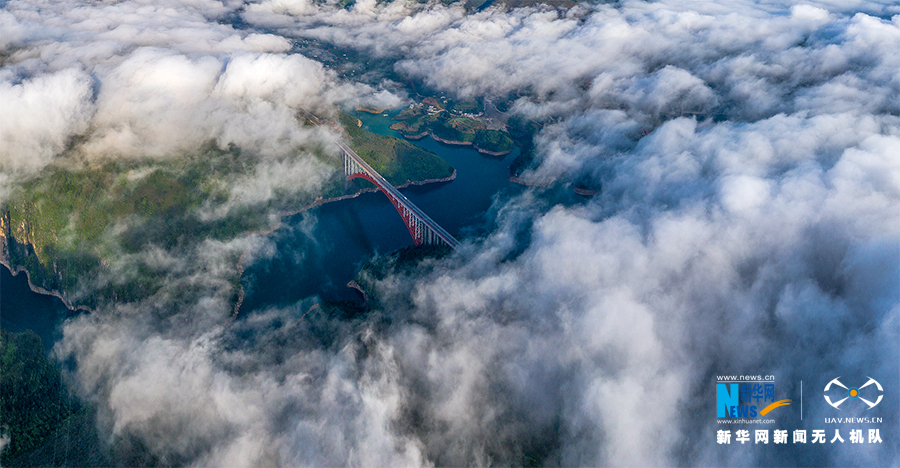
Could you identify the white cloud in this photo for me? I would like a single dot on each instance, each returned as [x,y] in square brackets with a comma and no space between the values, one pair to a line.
[38,116]
[133,80]
[765,242]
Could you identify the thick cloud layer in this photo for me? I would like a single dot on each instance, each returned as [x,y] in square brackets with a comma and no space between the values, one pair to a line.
[649,57]
[759,238]
[148,80]
[607,331]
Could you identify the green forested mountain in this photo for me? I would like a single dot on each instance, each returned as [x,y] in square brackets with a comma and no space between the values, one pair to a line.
[33,399]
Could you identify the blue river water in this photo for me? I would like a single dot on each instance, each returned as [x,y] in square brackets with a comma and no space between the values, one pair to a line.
[23,309]
[319,251]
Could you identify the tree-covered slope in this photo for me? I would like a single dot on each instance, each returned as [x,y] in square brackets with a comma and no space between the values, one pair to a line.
[33,399]
[396,160]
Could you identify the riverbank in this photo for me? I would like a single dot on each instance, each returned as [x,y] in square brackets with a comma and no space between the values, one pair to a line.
[497,154]
[415,137]
[319,201]
[4,260]
[463,143]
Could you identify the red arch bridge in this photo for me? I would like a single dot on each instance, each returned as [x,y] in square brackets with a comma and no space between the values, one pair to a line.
[422,228]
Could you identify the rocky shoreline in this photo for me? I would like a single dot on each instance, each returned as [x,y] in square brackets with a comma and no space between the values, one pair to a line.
[321,201]
[467,143]
[414,137]
[4,260]
[426,133]
[491,153]
[450,142]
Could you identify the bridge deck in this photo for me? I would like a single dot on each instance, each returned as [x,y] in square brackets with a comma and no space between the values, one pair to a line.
[387,187]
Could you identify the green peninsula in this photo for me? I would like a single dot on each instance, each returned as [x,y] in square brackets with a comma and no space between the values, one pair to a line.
[398,161]
[452,123]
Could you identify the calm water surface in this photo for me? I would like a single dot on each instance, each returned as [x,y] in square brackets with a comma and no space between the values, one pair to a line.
[23,309]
